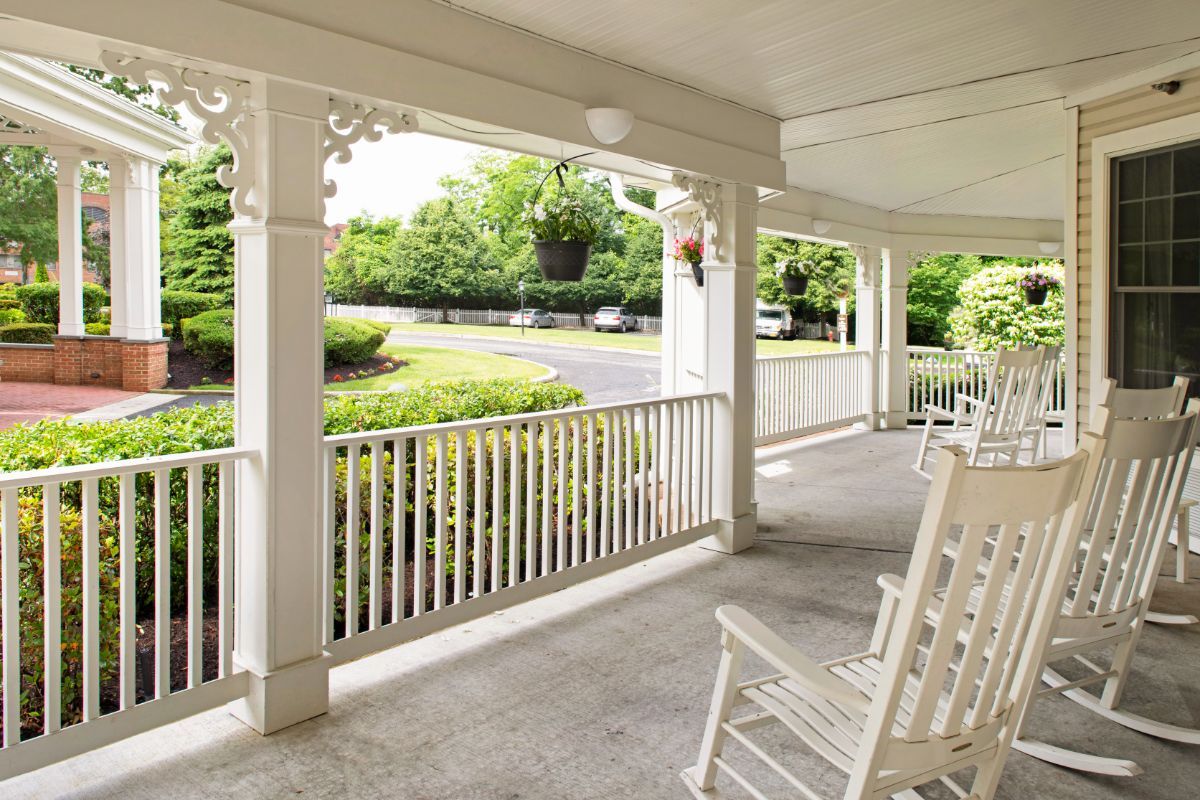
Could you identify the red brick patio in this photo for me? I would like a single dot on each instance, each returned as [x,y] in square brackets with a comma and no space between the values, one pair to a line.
[29,402]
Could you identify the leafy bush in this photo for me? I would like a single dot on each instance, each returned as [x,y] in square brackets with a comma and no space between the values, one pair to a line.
[28,333]
[97,329]
[993,312]
[40,301]
[179,305]
[209,337]
[9,300]
[384,327]
[9,316]
[349,341]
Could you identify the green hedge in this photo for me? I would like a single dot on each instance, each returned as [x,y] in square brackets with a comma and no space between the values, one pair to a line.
[28,333]
[10,316]
[384,327]
[178,306]
[9,302]
[40,302]
[209,336]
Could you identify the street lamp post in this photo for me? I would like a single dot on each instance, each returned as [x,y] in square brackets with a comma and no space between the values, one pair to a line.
[521,291]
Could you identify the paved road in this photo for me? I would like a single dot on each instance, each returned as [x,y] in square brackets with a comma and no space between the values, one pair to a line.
[604,376]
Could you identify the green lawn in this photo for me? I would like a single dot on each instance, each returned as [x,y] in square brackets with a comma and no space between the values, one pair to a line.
[629,341]
[440,363]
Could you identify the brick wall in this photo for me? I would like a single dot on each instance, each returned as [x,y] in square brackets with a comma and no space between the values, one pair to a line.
[27,363]
[144,365]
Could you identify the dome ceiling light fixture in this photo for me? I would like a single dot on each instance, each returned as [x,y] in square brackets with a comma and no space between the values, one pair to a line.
[1049,248]
[609,125]
[821,226]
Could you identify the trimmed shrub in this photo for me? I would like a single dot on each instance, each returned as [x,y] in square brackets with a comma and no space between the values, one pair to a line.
[7,302]
[349,341]
[28,333]
[209,337]
[10,316]
[385,327]
[97,329]
[179,305]
[40,302]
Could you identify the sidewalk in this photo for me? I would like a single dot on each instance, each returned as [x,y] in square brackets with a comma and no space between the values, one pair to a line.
[30,402]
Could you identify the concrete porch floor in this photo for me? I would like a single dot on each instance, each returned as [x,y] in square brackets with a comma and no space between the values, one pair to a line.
[601,690]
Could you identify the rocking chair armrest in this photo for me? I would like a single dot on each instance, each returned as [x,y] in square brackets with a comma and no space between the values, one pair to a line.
[936,412]
[962,399]
[891,584]
[788,660]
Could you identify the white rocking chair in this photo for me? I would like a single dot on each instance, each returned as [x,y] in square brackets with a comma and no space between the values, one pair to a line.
[1139,478]
[996,425]
[1035,424]
[919,705]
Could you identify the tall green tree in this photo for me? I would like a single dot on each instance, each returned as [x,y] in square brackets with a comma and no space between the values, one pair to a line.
[834,277]
[357,271]
[200,256]
[933,283]
[28,204]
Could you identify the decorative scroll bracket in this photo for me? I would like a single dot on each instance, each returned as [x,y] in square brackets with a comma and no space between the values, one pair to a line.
[220,102]
[867,276]
[708,195]
[348,123]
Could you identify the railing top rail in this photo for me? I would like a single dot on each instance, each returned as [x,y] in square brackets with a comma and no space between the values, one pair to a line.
[836,353]
[107,469]
[512,419]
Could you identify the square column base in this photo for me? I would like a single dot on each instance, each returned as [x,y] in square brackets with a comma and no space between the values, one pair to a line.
[732,536]
[871,422]
[897,420]
[285,697]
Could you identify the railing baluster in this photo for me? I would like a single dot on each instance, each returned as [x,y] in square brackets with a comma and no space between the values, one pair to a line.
[605,483]
[439,520]
[497,508]
[329,533]
[531,510]
[10,552]
[52,592]
[399,526]
[127,568]
[514,505]
[618,478]
[643,460]
[461,451]
[225,569]
[162,582]
[627,489]
[195,571]
[590,519]
[91,600]
[353,504]
[420,521]
[375,586]
[666,444]
[576,489]
[479,565]
[560,489]
[685,445]
[547,543]
[655,421]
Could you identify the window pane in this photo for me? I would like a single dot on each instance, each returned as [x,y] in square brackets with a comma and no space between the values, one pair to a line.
[1158,265]
[1185,264]
[1187,170]
[1129,178]
[1158,220]
[1159,339]
[1158,175]
[1129,265]
[1129,223]
[1186,221]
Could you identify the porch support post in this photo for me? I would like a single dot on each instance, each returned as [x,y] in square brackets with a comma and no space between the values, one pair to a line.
[730,274]
[895,336]
[70,245]
[134,249]
[867,328]
[278,368]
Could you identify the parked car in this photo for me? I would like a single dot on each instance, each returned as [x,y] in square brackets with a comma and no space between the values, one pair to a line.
[614,318]
[534,318]
[775,322]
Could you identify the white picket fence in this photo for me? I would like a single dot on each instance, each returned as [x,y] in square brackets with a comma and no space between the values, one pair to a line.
[71,523]
[937,376]
[511,508]
[464,316]
[799,395]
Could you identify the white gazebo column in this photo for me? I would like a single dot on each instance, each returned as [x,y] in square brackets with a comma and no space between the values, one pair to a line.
[867,326]
[895,337]
[730,275]
[278,371]
[134,249]
[70,245]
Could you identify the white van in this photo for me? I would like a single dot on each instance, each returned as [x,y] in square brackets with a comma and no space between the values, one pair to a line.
[775,322]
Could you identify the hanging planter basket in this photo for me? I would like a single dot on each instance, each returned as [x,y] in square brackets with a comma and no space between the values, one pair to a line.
[1035,296]
[795,285]
[698,273]
[562,261]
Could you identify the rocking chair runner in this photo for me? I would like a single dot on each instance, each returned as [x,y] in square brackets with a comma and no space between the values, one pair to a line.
[996,425]
[919,706]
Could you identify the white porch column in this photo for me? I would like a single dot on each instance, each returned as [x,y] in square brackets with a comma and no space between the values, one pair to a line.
[278,370]
[70,245]
[867,326]
[895,337]
[134,249]
[730,274]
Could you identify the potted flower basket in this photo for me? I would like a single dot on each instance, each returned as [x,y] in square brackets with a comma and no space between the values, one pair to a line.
[794,272]
[562,233]
[692,252]
[1037,285]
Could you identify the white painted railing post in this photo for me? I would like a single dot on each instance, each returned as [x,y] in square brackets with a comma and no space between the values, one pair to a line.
[867,328]
[895,336]
[278,369]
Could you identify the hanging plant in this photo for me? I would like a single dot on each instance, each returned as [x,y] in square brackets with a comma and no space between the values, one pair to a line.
[794,272]
[1036,285]
[691,251]
[563,233]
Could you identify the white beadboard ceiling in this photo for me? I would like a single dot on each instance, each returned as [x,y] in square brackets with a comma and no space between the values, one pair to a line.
[921,106]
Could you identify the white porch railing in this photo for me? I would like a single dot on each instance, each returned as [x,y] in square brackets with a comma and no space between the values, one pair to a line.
[75,542]
[937,376]
[426,527]
[799,395]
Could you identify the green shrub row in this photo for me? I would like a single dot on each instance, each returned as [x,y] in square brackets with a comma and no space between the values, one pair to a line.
[179,305]
[10,316]
[349,341]
[7,302]
[40,302]
[209,336]
[28,333]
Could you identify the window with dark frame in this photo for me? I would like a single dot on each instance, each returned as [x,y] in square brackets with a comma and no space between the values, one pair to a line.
[1154,262]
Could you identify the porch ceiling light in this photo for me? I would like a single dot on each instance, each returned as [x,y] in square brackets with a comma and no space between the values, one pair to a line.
[1049,248]
[609,125]
[821,226]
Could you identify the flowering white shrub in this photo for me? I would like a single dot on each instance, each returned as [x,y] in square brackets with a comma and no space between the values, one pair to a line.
[993,311]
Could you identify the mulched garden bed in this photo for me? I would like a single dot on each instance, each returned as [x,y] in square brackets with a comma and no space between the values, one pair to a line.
[186,371]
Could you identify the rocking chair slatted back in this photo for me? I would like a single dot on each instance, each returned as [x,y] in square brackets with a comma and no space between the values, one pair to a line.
[981,658]
[1144,403]
[1047,385]
[1012,392]
[1144,467]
